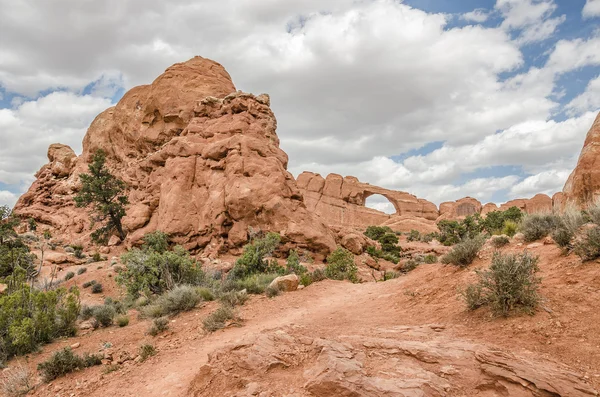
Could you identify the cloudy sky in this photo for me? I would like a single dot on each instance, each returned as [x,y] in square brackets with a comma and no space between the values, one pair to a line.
[441,98]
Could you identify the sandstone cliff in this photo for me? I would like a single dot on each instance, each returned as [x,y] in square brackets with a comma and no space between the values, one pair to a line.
[202,162]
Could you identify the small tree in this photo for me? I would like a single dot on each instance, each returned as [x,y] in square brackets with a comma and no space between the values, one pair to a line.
[106,193]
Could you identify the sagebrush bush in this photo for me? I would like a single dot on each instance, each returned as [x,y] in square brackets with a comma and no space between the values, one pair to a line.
[413,235]
[234,298]
[272,291]
[217,320]
[410,265]
[562,237]
[159,325]
[253,284]
[587,246]
[147,351]
[69,276]
[464,253]
[500,241]
[153,269]
[341,266]
[81,270]
[88,284]
[293,264]
[206,294]
[122,321]
[509,284]
[430,258]
[537,226]
[97,288]
[180,299]
[65,361]
[103,315]
[390,275]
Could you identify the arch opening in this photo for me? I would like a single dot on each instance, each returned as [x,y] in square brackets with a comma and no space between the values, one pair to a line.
[380,203]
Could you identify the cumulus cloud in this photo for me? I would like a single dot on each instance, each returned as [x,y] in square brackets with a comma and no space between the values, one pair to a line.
[7,198]
[532,18]
[29,129]
[478,15]
[591,9]
[588,100]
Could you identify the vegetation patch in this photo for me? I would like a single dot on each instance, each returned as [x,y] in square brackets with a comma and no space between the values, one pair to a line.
[65,361]
[180,299]
[341,266]
[464,253]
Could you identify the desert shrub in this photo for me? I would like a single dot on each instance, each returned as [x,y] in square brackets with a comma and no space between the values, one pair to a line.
[206,294]
[341,266]
[218,319]
[377,232]
[272,292]
[233,298]
[253,284]
[86,312]
[429,237]
[153,269]
[253,260]
[69,276]
[96,257]
[29,318]
[147,351]
[122,321]
[430,258]
[65,361]
[410,265]
[81,270]
[588,246]
[510,228]
[97,288]
[473,296]
[88,284]
[17,381]
[500,241]
[103,315]
[453,232]
[180,299]
[293,264]
[318,275]
[306,279]
[537,226]
[78,251]
[159,325]
[502,221]
[413,235]
[562,237]
[390,275]
[464,253]
[509,284]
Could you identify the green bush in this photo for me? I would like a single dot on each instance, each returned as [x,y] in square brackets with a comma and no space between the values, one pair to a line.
[414,235]
[390,250]
[65,361]
[159,325]
[97,288]
[430,258]
[253,260]
[293,264]
[78,251]
[180,299]
[30,318]
[122,321]
[147,351]
[272,292]
[253,284]
[377,232]
[206,294]
[453,232]
[504,222]
[464,253]
[218,318]
[500,241]
[153,269]
[81,270]
[390,275]
[537,226]
[562,237]
[510,228]
[69,276]
[509,284]
[233,298]
[588,245]
[341,266]
[96,257]
[103,315]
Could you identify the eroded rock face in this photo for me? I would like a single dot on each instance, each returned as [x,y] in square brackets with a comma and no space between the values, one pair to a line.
[202,163]
[408,361]
[583,185]
[460,208]
[340,201]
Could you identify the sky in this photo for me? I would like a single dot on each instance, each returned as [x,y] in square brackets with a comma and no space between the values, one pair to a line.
[440,98]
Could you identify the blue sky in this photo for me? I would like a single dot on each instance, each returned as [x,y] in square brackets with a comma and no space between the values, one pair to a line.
[443,99]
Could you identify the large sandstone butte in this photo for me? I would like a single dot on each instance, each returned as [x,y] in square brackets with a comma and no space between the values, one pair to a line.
[583,185]
[202,163]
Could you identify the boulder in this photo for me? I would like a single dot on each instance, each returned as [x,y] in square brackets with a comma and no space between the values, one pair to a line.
[354,243]
[286,283]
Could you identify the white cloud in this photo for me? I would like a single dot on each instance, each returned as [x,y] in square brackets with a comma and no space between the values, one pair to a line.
[547,182]
[530,17]
[589,100]
[591,9]
[28,130]
[8,198]
[570,55]
[478,15]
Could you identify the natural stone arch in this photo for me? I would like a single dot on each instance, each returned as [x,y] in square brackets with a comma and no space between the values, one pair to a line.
[368,194]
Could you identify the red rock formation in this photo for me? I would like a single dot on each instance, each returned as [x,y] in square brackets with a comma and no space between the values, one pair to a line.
[202,163]
[489,207]
[459,208]
[538,203]
[583,185]
[341,201]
